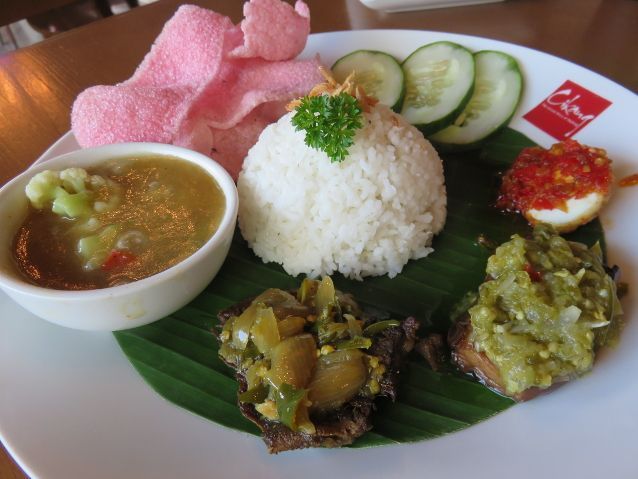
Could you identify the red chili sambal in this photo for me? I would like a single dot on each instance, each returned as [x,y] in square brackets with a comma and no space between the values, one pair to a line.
[545,179]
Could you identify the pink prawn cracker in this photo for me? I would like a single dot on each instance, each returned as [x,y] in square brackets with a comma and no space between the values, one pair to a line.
[273,30]
[206,84]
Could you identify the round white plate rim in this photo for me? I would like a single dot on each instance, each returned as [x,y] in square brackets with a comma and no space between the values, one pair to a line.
[445,458]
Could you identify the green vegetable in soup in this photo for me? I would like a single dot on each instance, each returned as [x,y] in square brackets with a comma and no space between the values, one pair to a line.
[96,248]
[547,305]
[72,192]
[41,188]
[71,205]
[65,192]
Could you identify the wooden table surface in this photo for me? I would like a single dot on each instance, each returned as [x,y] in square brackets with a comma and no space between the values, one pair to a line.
[38,83]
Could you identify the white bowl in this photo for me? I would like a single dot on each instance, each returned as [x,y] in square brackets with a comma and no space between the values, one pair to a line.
[129,305]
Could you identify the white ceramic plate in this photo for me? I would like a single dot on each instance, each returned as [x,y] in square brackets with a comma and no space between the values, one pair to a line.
[71,406]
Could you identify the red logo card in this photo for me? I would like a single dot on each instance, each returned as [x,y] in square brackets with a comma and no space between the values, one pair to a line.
[567,110]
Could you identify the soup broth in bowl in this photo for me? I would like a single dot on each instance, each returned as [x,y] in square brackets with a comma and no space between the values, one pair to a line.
[117,236]
[116,223]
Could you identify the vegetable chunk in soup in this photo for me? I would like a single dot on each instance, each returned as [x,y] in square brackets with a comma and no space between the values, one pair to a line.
[122,221]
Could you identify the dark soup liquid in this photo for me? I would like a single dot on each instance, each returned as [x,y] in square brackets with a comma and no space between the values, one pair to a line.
[122,221]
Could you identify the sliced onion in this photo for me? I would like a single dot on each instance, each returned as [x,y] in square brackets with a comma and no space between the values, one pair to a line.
[242,325]
[354,326]
[265,332]
[326,296]
[282,302]
[290,326]
[293,361]
[307,291]
[338,378]
[570,314]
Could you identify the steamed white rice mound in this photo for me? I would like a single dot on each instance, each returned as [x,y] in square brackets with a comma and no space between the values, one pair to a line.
[365,216]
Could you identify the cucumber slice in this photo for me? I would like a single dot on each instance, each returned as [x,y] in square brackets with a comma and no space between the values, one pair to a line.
[439,80]
[497,92]
[378,73]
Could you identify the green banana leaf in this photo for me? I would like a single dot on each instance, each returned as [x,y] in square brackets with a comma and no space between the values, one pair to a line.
[177,356]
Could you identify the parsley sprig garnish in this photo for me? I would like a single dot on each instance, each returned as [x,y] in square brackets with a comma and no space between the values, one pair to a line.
[330,123]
